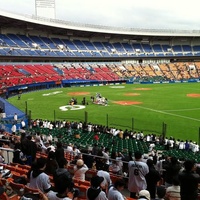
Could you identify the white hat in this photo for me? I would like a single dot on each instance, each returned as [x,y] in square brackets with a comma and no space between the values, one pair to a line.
[144,193]
[79,162]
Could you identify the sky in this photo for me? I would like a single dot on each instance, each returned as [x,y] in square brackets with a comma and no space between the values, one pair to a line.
[150,14]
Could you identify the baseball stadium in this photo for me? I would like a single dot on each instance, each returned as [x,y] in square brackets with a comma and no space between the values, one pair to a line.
[122,89]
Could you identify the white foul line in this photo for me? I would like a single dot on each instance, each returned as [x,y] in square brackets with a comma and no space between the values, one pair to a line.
[183,109]
[159,111]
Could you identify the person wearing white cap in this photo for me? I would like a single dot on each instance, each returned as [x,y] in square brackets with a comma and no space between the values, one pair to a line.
[144,195]
[79,170]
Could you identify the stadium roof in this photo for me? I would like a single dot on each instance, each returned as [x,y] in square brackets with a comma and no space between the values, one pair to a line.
[66,28]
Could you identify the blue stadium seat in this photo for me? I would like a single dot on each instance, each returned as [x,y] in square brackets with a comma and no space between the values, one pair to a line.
[79,45]
[32,52]
[108,46]
[17,40]
[196,48]
[137,47]
[99,46]
[119,47]
[26,40]
[48,42]
[70,45]
[157,48]
[128,47]
[177,48]
[39,42]
[187,48]
[147,48]
[89,45]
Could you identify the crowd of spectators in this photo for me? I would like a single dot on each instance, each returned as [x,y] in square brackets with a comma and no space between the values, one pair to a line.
[146,176]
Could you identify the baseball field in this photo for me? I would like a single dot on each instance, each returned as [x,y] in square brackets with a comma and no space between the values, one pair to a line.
[138,107]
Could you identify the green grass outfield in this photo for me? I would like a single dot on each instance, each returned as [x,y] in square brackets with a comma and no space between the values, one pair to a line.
[168,103]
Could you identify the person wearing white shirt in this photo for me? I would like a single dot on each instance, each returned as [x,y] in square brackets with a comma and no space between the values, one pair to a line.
[114,192]
[107,180]
[15,117]
[23,124]
[137,172]
[70,148]
[79,170]
[106,155]
[14,128]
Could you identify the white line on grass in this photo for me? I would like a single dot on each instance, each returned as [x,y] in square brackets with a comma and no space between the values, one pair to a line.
[187,109]
[166,113]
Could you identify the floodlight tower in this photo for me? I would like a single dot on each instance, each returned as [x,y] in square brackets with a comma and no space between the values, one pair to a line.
[45,8]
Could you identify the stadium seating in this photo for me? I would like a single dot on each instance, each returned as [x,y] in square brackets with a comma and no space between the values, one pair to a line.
[22,45]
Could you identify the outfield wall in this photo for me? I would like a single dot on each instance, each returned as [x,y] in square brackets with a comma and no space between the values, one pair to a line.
[154,82]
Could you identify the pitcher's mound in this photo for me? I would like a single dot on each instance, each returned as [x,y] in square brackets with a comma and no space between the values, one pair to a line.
[127,103]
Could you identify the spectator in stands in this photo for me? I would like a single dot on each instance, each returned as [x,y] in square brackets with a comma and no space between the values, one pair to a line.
[96,138]
[18,156]
[50,146]
[14,128]
[24,143]
[39,143]
[95,192]
[69,148]
[23,124]
[33,196]
[76,151]
[137,172]
[88,158]
[95,149]
[143,195]
[187,145]
[115,167]
[64,188]
[114,192]
[59,151]
[189,181]
[173,192]
[62,169]
[152,178]
[181,145]
[161,192]
[51,164]
[107,182]
[101,162]
[126,159]
[79,170]
[74,161]
[38,179]
[31,151]
[106,155]
[15,117]
[171,170]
